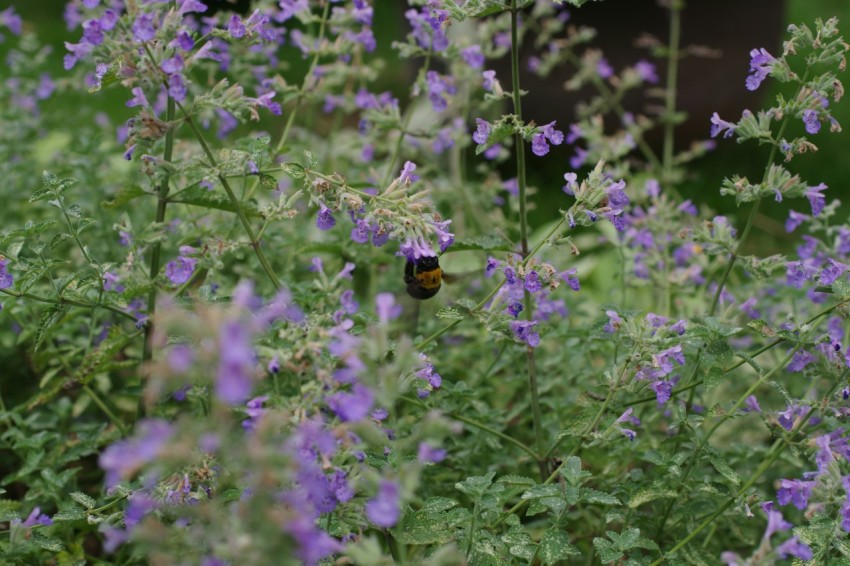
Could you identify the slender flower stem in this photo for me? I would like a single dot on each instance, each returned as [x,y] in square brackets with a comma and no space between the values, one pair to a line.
[301,91]
[240,212]
[773,454]
[65,301]
[670,95]
[536,415]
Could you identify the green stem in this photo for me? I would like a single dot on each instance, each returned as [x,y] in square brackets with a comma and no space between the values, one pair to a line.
[670,95]
[240,212]
[303,89]
[64,301]
[531,366]
[156,250]
[106,410]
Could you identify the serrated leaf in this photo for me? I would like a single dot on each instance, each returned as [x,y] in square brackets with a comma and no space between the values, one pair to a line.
[598,497]
[714,377]
[722,466]
[84,224]
[49,318]
[69,513]
[607,552]
[841,287]
[200,196]
[48,543]
[268,182]
[580,423]
[512,480]
[475,486]
[83,500]
[571,471]
[292,170]
[437,504]
[125,195]
[451,313]
[421,527]
[58,239]
[651,493]
[718,353]
[555,546]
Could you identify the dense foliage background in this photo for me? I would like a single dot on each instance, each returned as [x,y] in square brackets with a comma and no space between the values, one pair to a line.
[220,237]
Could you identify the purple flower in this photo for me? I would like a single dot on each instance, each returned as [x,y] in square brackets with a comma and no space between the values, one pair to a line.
[816,199]
[181,269]
[314,544]
[832,272]
[386,308]
[384,510]
[794,220]
[482,131]
[760,64]
[325,220]
[617,197]
[36,517]
[532,282]
[604,69]
[416,248]
[183,40]
[6,279]
[628,417]
[444,237]
[360,232]
[796,492]
[438,86]
[810,119]
[124,458]
[522,330]
[143,27]
[718,125]
[801,359]
[407,176]
[569,276]
[614,322]
[352,406]
[515,308]
[236,28]
[428,453]
[473,56]
[663,390]
[775,522]
[489,83]
[186,6]
[492,265]
[572,184]
[11,20]
[646,71]
[539,147]
[236,363]
[794,547]
[664,359]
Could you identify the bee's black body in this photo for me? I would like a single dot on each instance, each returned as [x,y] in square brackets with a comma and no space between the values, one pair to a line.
[424,277]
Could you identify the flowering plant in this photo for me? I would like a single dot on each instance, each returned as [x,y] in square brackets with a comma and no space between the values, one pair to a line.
[213,359]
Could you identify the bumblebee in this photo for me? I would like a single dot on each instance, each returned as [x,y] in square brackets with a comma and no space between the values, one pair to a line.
[424,277]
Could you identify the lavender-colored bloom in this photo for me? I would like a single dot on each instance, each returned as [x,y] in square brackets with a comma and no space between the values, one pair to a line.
[617,197]
[384,510]
[663,390]
[352,406]
[360,232]
[718,125]
[688,207]
[124,458]
[473,56]
[254,410]
[539,147]
[556,137]
[796,492]
[664,359]
[801,359]
[314,544]
[143,27]
[816,199]
[36,517]
[6,279]
[646,71]
[793,547]
[510,275]
[438,86]
[614,322]
[489,83]
[186,6]
[183,41]
[775,522]
[492,265]
[748,308]
[428,453]
[386,307]
[92,32]
[180,270]
[832,272]
[416,248]
[482,131]
[407,176]
[522,330]
[760,63]
[11,20]
[325,220]
[444,237]
[798,272]
[752,404]
[628,417]
[236,363]
[569,276]
[180,358]
[810,119]
[348,302]
[604,69]
[532,282]
[236,28]
[572,183]
[794,220]
[515,308]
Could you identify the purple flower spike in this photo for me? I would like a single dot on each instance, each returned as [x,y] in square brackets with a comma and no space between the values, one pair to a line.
[384,510]
[719,125]
[760,64]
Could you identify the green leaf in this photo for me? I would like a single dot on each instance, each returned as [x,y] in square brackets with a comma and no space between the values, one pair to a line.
[475,486]
[722,466]
[268,182]
[292,170]
[718,353]
[83,500]
[595,497]
[69,512]
[841,287]
[46,542]
[571,470]
[607,552]
[422,527]
[714,377]
[230,494]
[199,196]
[112,75]
[48,319]
[555,546]
[125,195]
[436,504]
[651,493]
[451,313]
